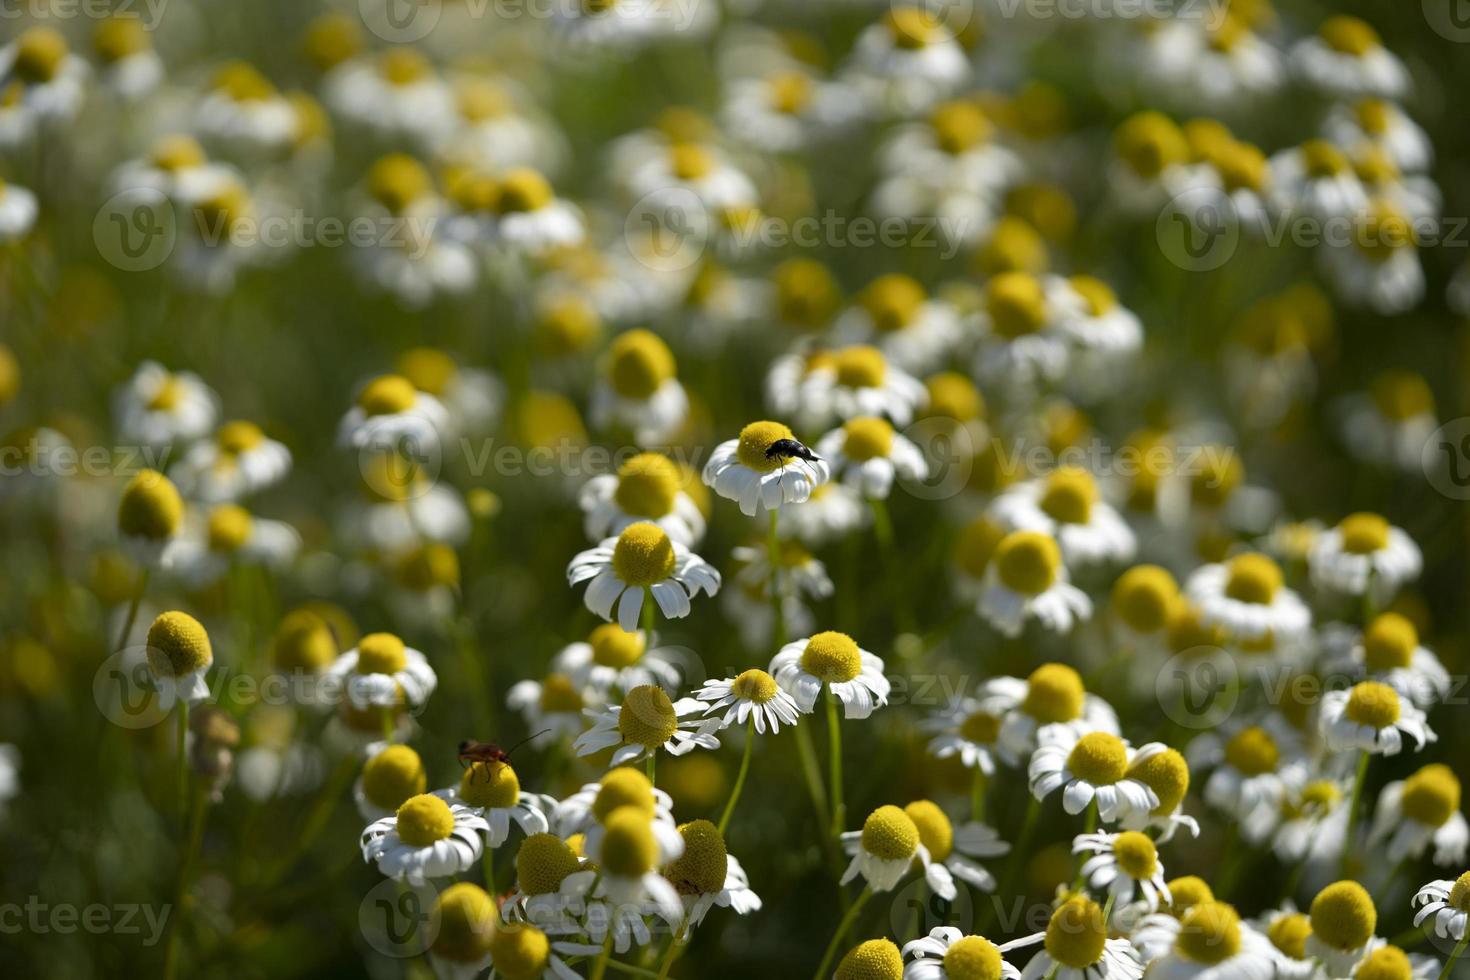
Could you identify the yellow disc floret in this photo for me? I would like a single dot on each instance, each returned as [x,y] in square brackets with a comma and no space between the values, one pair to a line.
[1167,774]
[387,395]
[648,485]
[1349,35]
[638,364]
[1069,495]
[1252,751]
[1252,578]
[1187,892]
[392,776]
[832,657]
[1289,933]
[623,787]
[1028,561]
[629,848]
[1389,643]
[467,916]
[493,785]
[867,438]
[1076,934]
[889,834]
[1431,796]
[519,951]
[1016,304]
[613,647]
[892,301]
[1136,855]
[755,439]
[542,863]
[647,717]
[1143,597]
[1373,704]
[381,653]
[972,958]
[701,869]
[643,555]
[754,685]
[1054,694]
[876,959]
[1363,533]
[1343,916]
[424,820]
[151,507]
[860,366]
[936,832]
[1385,963]
[1099,758]
[1208,933]
[178,645]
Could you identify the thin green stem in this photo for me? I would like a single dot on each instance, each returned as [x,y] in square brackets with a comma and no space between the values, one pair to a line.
[386,711]
[186,865]
[671,954]
[740,777]
[842,928]
[600,967]
[1449,964]
[649,765]
[133,611]
[773,554]
[1354,806]
[811,771]
[183,761]
[834,750]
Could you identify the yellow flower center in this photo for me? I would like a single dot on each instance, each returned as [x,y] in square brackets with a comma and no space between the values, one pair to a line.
[1099,758]
[331,39]
[1242,167]
[1187,892]
[754,685]
[1076,934]
[860,366]
[120,37]
[566,325]
[429,370]
[892,301]
[178,644]
[431,566]
[1219,473]
[404,66]
[1289,933]
[1349,35]
[1167,774]
[976,544]
[755,439]
[168,395]
[1389,643]
[690,161]
[39,52]
[936,832]
[1016,304]
[1363,534]
[954,396]
[490,784]
[972,958]
[629,849]
[623,787]
[832,657]
[1343,916]
[1460,893]
[423,820]
[643,555]
[1431,796]
[238,437]
[151,507]
[876,959]
[175,153]
[912,28]
[559,695]
[229,528]
[1252,752]
[1149,143]
[522,190]
[1385,963]
[806,293]
[1209,933]
[639,363]
[1136,855]
[1144,596]
[960,126]
[1069,495]
[1402,395]
[1373,704]
[612,647]
[1322,159]
[1382,231]
[1373,116]
[1014,247]
[647,717]
[1252,578]
[381,653]
[789,91]
[392,776]
[467,918]
[867,438]
[981,728]
[542,863]
[648,484]
[1028,561]
[701,869]
[519,951]
[1054,694]
[889,834]
[480,99]
[387,395]
[304,641]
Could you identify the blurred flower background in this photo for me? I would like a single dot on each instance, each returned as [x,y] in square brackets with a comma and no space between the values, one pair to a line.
[717,488]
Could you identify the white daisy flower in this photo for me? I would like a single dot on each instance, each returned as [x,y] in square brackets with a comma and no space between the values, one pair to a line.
[1049,706]
[48,79]
[493,790]
[390,410]
[750,469]
[1151,165]
[555,702]
[129,65]
[1165,771]
[179,655]
[532,219]
[382,672]
[831,512]
[970,731]
[638,390]
[752,696]
[884,850]
[1027,580]
[158,408]
[1207,942]
[1123,865]
[1383,126]
[642,559]
[645,722]
[797,573]
[1316,179]
[1390,424]
[1256,767]
[831,659]
[629,846]
[1346,60]
[403,510]
[696,168]
[1023,340]
[1287,930]
[1313,825]
[952,849]
[706,875]
[1420,811]
[1065,505]
[645,488]
[1448,903]
[18,210]
[239,461]
[1364,551]
[1092,768]
[618,787]
[230,535]
[390,778]
[472,399]
[1378,267]
[1343,918]
[471,937]
[1388,650]
[787,109]
[1374,718]
[1245,597]
[894,314]
[243,113]
[427,838]
[394,96]
[857,381]
[1077,947]
[614,658]
[948,954]
[907,62]
[867,455]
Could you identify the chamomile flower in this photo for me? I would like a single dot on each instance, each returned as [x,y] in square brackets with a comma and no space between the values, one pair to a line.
[859,381]
[1346,60]
[382,672]
[1364,552]
[908,62]
[1151,163]
[1378,267]
[543,863]
[493,790]
[629,846]
[394,97]
[1143,599]
[45,79]
[1027,580]
[1166,772]
[638,389]
[619,787]
[948,954]
[1343,919]
[149,516]
[532,220]
[612,657]
[1092,768]
[389,410]
[831,512]
[834,661]
[1023,342]
[970,731]
[696,168]
[896,315]
[389,779]
[1384,126]
[1374,718]
[867,455]
[752,696]
[230,535]
[1316,179]
[1245,597]
[242,113]
[796,572]
[1420,811]
[1075,946]
[1255,768]
[471,937]
[1207,942]
[878,959]
[1123,865]
[237,462]
[18,210]
[1313,825]
[1065,505]
[648,487]
[1388,650]
[427,838]
[472,399]
[1390,424]
[743,470]
[642,559]
[555,702]
[179,655]
[129,65]
[952,849]
[1050,705]
[645,722]
[1287,929]
[706,875]
[160,408]
[1448,903]
[884,850]
[787,108]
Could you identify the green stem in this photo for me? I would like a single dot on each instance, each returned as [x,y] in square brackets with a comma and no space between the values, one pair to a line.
[773,555]
[1354,807]
[1449,964]
[133,610]
[842,928]
[387,714]
[649,765]
[670,955]
[183,761]
[811,771]
[196,836]
[739,778]
[834,750]
[600,967]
